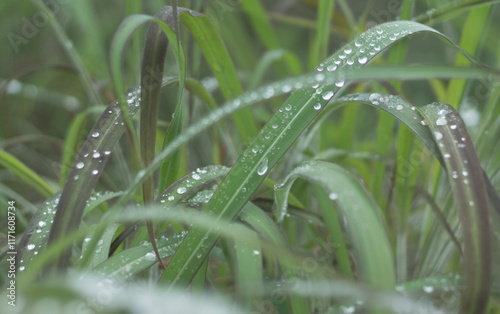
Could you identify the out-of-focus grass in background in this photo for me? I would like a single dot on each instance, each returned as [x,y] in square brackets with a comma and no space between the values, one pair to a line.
[361,210]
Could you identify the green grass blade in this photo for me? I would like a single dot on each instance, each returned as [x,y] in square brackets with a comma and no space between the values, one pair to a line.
[320,43]
[218,58]
[86,170]
[451,9]
[466,178]
[34,239]
[249,272]
[72,53]
[24,173]
[362,215]
[260,22]
[95,255]
[476,23]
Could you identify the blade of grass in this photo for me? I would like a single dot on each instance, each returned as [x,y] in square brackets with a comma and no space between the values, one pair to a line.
[320,44]
[476,23]
[218,58]
[151,75]
[260,22]
[451,9]
[72,53]
[470,199]
[24,173]
[362,215]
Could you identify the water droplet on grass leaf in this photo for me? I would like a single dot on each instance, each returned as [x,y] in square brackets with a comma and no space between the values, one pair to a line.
[362,60]
[80,165]
[150,256]
[327,95]
[262,169]
[95,134]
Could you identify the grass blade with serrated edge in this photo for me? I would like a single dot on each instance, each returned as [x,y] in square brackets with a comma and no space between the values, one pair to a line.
[218,58]
[24,173]
[362,215]
[291,120]
[466,178]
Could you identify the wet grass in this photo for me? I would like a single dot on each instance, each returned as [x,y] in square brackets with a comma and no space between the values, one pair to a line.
[280,159]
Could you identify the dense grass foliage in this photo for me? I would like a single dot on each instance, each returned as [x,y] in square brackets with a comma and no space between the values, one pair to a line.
[250,157]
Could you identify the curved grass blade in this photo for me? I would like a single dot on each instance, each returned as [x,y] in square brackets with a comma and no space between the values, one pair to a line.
[362,216]
[86,170]
[24,173]
[266,61]
[470,198]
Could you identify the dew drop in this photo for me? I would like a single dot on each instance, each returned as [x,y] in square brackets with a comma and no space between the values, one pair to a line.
[96,155]
[30,247]
[274,126]
[333,196]
[428,289]
[362,60]
[465,173]
[339,83]
[107,152]
[171,198]
[80,165]
[288,107]
[262,168]
[95,172]
[21,268]
[320,77]
[350,62]
[327,95]
[95,134]
[317,106]
[181,190]
[331,68]
[399,107]
[438,135]
[453,126]
[42,224]
[347,51]
[441,121]
[150,256]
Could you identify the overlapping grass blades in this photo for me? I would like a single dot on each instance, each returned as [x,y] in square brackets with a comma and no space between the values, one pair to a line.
[274,140]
